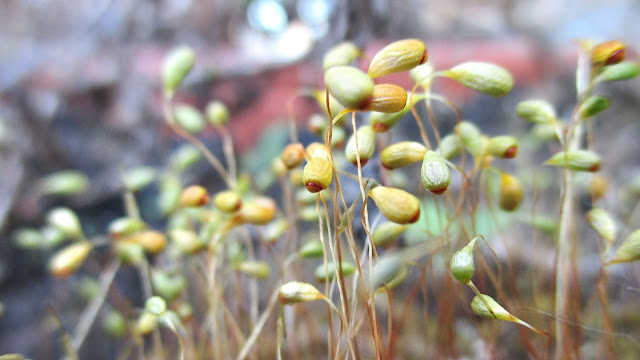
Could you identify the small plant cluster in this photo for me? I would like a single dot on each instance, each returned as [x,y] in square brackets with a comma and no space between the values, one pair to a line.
[216,275]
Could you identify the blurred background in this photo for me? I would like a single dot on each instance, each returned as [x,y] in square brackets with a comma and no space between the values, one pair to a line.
[80,89]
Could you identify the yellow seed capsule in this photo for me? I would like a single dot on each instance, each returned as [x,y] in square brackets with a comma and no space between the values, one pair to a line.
[166,285]
[257,269]
[396,205]
[608,53]
[260,211]
[366,146]
[388,98]
[147,322]
[316,149]
[398,56]
[217,113]
[296,177]
[421,74]
[176,66]
[598,186]
[402,154]
[296,292]
[382,122]
[486,78]
[350,86]
[186,240]
[151,240]
[194,196]
[334,106]
[504,146]
[227,201]
[510,192]
[317,174]
[67,260]
[278,168]
[292,155]
[343,53]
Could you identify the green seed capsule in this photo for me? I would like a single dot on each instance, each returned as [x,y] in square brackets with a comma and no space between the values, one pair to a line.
[317,174]
[386,270]
[388,98]
[504,146]
[471,137]
[366,146]
[65,220]
[167,286]
[486,78]
[510,192]
[64,183]
[450,146]
[350,86]
[227,201]
[147,322]
[334,106]
[130,253]
[402,154]
[217,113]
[138,178]
[396,205]
[28,238]
[169,197]
[189,118]
[625,70]
[275,231]
[629,250]
[311,249]
[176,66]
[114,324]
[186,240]
[494,311]
[343,53]
[156,305]
[421,74]
[592,106]
[125,226]
[435,173]
[398,56]
[297,292]
[462,265]
[67,260]
[577,160]
[537,111]
[185,156]
[321,274]
[256,269]
[386,232]
[603,223]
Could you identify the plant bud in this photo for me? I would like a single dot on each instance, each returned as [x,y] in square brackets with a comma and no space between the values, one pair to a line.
[396,205]
[592,106]
[256,269]
[67,260]
[421,74]
[147,322]
[471,137]
[316,149]
[449,146]
[388,98]
[486,78]
[462,266]
[321,274]
[125,226]
[603,223]
[366,146]
[537,111]
[156,305]
[114,324]
[292,155]
[577,160]
[260,211]
[64,183]
[185,156]
[398,56]
[386,270]
[350,86]
[227,201]
[504,146]
[625,70]
[274,231]
[297,292]
[317,174]
[598,186]
[629,250]
[402,154]
[510,192]
[343,53]
[194,196]
[382,122]
[65,220]
[169,287]
[608,53]
[186,240]
[139,178]
[176,66]
[386,232]
[189,118]
[493,311]
[436,176]
[311,249]
[151,240]
[217,113]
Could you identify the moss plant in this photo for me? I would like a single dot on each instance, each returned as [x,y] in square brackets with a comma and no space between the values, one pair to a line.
[384,247]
